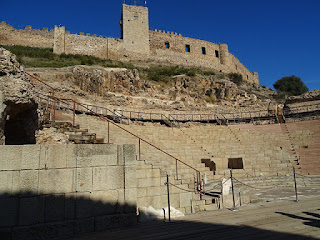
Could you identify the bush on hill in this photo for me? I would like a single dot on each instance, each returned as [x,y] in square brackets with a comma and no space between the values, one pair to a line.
[290,86]
[236,78]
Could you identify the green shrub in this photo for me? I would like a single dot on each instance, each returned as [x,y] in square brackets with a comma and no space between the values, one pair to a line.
[44,57]
[236,78]
[292,85]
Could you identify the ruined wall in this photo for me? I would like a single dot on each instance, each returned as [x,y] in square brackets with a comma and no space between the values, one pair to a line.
[58,191]
[25,37]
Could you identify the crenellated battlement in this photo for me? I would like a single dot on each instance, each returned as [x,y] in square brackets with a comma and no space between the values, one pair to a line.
[137,43]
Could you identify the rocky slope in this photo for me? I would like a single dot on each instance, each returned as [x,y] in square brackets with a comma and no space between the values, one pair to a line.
[18,107]
[130,89]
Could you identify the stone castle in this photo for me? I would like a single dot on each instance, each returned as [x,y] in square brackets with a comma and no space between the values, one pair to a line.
[137,44]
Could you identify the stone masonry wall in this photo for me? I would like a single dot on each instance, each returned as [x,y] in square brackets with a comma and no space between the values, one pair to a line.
[137,43]
[54,191]
[25,37]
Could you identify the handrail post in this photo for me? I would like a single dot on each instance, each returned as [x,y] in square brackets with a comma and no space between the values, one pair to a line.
[200,185]
[139,149]
[168,191]
[232,188]
[176,168]
[54,106]
[295,183]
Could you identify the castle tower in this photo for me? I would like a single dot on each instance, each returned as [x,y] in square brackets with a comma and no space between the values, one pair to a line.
[135,28]
[224,55]
[59,39]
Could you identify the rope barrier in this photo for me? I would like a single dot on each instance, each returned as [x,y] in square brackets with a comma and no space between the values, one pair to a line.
[261,187]
[180,188]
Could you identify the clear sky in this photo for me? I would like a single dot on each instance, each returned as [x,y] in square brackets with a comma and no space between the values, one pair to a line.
[276,38]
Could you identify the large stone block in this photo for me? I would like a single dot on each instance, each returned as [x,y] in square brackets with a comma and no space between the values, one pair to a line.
[30,156]
[130,177]
[108,178]
[83,179]
[71,155]
[57,157]
[10,158]
[185,199]
[104,155]
[31,210]
[129,154]
[130,200]
[105,202]
[70,205]
[83,205]
[6,183]
[29,182]
[56,181]
[120,155]
[54,208]
[8,212]
[84,162]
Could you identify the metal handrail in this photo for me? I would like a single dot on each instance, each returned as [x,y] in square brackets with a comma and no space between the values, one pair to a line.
[101,117]
[139,138]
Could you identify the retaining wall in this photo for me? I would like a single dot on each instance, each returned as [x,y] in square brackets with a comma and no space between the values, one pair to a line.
[56,190]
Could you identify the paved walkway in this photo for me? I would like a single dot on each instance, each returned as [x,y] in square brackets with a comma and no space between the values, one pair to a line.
[274,220]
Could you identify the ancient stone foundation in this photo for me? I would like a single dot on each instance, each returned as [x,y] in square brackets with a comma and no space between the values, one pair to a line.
[59,191]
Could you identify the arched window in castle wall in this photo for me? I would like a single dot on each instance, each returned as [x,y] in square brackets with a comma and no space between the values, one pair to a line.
[167,45]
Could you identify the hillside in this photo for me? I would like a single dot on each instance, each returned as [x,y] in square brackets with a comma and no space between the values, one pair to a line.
[135,87]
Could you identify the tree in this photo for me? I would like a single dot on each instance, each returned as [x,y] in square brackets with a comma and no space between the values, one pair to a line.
[292,85]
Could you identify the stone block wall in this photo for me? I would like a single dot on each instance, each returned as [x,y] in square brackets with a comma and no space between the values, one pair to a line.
[55,191]
[26,37]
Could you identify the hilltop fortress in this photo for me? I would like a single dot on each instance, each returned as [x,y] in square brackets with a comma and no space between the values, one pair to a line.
[137,44]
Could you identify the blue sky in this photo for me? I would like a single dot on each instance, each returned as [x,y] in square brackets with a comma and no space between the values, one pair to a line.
[273,37]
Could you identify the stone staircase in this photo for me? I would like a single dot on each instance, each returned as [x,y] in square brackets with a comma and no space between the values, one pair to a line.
[74,133]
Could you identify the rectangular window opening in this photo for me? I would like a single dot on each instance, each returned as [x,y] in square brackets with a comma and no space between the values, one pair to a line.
[216,53]
[235,163]
[187,48]
[204,51]
[167,45]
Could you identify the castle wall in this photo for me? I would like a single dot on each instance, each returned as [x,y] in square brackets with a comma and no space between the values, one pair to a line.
[171,47]
[137,43]
[135,28]
[25,37]
[93,46]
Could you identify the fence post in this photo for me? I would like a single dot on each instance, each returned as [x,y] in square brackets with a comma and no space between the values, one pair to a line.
[54,106]
[232,188]
[295,183]
[168,191]
[139,149]
[176,168]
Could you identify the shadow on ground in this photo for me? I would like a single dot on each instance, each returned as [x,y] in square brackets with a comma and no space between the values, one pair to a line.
[313,222]
[81,216]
